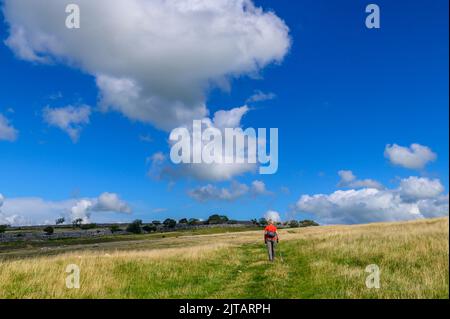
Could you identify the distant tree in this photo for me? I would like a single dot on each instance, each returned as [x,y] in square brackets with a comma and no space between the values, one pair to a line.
[262,222]
[60,221]
[170,223]
[3,228]
[156,222]
[135,227]
[254,221]
[217,219]
[49,230]
[193,221]
[293,224]
[183,221]
[308,223]
[213,219]
[149,228]
[77,223]
[114,228]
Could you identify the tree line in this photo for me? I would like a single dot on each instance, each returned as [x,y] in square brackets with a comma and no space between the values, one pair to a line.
[138,226]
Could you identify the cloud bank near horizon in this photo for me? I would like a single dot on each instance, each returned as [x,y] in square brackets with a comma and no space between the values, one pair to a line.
[414,198]
[37,211]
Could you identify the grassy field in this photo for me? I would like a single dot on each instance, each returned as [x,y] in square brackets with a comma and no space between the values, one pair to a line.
[316,262]
[53,246]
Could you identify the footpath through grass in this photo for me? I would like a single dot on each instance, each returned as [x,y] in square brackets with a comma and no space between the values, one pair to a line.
[322,262]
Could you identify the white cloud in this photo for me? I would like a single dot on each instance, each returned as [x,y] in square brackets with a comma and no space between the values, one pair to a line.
[3,218]
[373,205]
[33,210]
[229,118]
[260,96]
[235,191]
[259,188]
[37,211]
[435,207]
[19,43]
[70,119]
[357,206]
[110,202]
[210,192]
[157,162]
[153,61]
[207,172]
[414,188]
[414,157]
[348,179]
[215,172]
[272,215]
[81,210]
[7,131]
[106,202]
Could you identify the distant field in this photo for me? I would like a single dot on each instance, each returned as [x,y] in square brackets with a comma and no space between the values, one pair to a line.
[54,246]
[317,262]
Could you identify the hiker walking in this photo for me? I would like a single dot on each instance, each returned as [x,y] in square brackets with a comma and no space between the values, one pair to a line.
[271,239]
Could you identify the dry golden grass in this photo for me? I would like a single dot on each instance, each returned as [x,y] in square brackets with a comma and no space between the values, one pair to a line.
[318,262]
[44,277]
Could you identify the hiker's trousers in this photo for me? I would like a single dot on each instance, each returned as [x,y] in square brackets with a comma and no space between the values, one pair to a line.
[271,249]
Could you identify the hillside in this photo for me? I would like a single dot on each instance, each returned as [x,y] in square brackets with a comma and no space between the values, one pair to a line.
[316,262]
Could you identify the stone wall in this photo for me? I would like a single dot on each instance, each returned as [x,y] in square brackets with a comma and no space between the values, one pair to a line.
[36,235]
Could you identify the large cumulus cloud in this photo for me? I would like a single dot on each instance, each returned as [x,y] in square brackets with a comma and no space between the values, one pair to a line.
[152,60]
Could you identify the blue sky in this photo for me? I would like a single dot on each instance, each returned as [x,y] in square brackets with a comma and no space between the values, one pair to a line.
[342,93]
